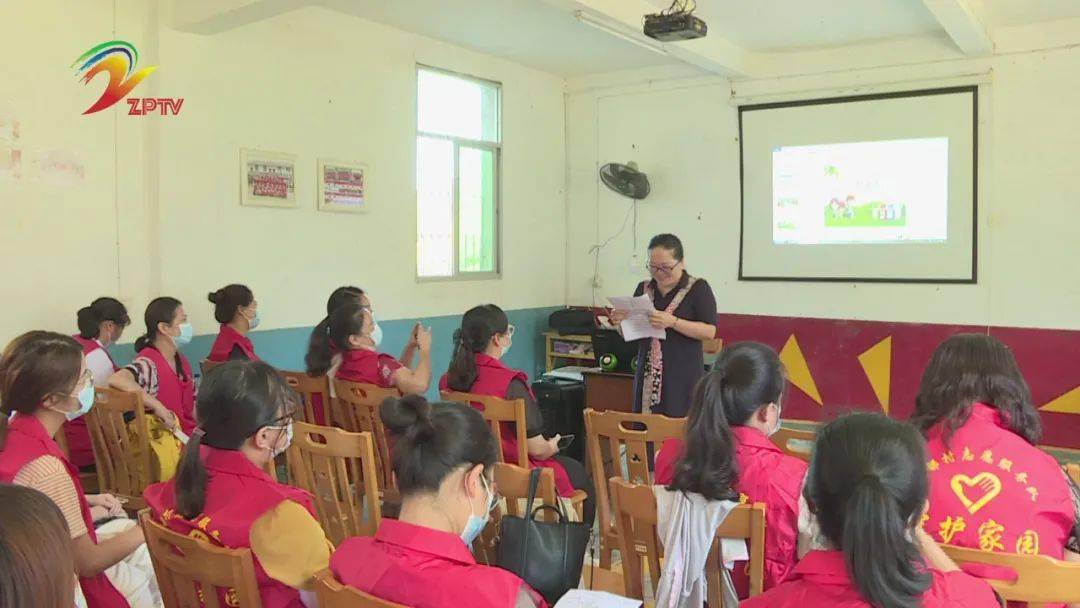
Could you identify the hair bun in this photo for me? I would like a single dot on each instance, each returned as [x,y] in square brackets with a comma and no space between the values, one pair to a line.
[214,296]
[408,415]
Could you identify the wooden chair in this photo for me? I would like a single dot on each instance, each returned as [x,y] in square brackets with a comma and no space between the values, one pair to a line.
[512,484]
[122,461]
[1038,580]
[189,570]
[636,518]
[358,411]
[794,442]
[607,435]
[1073,469]
[332,594]
[498,412]
[338,468]
[206,366]
[311,389]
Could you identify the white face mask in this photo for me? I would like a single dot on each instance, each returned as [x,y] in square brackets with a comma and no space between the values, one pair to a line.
[376,333]
[277,451]
[776,427]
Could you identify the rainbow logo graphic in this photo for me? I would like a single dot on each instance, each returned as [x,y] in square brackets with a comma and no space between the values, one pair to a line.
[119,59]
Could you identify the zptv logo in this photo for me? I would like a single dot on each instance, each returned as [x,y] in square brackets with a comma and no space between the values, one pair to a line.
[119,58]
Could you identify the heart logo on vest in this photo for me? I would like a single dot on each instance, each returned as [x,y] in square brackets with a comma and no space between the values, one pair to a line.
[984,487]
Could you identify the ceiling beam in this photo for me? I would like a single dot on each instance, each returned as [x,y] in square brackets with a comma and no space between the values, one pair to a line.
[623,18]
[964,21]
[215,16]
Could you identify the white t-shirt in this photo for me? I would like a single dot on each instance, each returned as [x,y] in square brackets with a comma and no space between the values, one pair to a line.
[100,365]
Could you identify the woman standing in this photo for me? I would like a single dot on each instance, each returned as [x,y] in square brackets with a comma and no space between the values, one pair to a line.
[668,369]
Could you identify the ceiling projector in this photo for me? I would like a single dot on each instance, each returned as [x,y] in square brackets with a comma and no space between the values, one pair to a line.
[672,26]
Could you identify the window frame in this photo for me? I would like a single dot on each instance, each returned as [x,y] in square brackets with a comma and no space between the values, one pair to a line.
[495,147]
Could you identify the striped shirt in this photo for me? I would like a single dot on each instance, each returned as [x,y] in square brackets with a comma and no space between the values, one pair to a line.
[48,475]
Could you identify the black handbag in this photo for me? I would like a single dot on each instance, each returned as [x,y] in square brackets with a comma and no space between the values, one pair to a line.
[546,555]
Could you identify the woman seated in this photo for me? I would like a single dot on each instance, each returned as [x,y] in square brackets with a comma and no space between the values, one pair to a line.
[222,493]
[443,459]
[990,487]
[100,326]
[36,565]
[44,382]
[483,340]
[867,488]
[743,391]
[237,310]
[353,332]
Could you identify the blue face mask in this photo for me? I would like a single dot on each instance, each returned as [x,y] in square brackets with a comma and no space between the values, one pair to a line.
[475,525]
[86,401]
[253,322]
[376,333]
[186,333]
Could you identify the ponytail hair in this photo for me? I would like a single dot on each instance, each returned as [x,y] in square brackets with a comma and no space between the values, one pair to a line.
[236,399]
[867,485]
[320,351]
[707,466]
[100,310]
[477,327]
[159,310]
[432,441]
[347,320]
[228,300]
[33,367]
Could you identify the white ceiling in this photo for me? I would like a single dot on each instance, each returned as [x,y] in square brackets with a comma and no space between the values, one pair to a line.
[545,34]
[529,32]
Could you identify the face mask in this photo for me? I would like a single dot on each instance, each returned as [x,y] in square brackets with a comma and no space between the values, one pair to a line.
[376,334]
[186,333]
[476,523]
[777,427]
[275,452]
[86,401]
[506,349]
[253,322]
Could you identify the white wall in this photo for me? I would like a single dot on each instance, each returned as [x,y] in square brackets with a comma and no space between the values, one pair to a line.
[157,212]
[684,134]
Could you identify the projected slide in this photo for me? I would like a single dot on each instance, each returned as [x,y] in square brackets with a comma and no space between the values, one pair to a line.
[861,193]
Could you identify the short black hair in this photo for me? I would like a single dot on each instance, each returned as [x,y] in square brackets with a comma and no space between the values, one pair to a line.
[669,242]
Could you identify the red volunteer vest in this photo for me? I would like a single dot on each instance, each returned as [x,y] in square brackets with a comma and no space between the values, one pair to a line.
[822,579]
[237,494]
[423,568]
[227,338]
[177,395]
[368,367]
[493,378]
[27,441]
[992,490]
[80,450]
[766,475]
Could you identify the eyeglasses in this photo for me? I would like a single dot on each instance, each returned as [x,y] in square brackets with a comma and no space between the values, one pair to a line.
[291,412]
[86,379]
[661,269]
[510,330]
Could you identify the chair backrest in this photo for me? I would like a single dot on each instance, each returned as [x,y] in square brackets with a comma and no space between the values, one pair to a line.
[497,412]
[189,570]
[338,468]
[332,594]
[794,442]
[359,411]
[206,365]
[1073,469]
[307,386]
[1035,579]
[121,452]
[608,435]
[636,519]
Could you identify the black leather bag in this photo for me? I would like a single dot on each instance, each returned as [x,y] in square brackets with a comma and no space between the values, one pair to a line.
[546,555]
[572,321]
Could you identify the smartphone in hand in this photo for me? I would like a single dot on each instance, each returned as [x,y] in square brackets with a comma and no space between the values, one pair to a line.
[565,441]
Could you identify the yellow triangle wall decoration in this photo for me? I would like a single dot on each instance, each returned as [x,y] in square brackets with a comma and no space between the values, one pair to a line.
[797,369]
[876,362]
[1069,403]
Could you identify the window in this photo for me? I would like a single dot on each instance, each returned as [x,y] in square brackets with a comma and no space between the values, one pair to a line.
[457,175]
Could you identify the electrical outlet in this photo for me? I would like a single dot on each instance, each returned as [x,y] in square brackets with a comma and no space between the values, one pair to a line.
[598,282]
[636,261]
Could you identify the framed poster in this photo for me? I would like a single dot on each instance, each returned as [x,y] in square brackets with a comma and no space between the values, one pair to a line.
[342,186]
[267,179]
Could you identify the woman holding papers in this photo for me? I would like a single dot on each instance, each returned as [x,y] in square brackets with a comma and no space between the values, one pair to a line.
[685,309]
